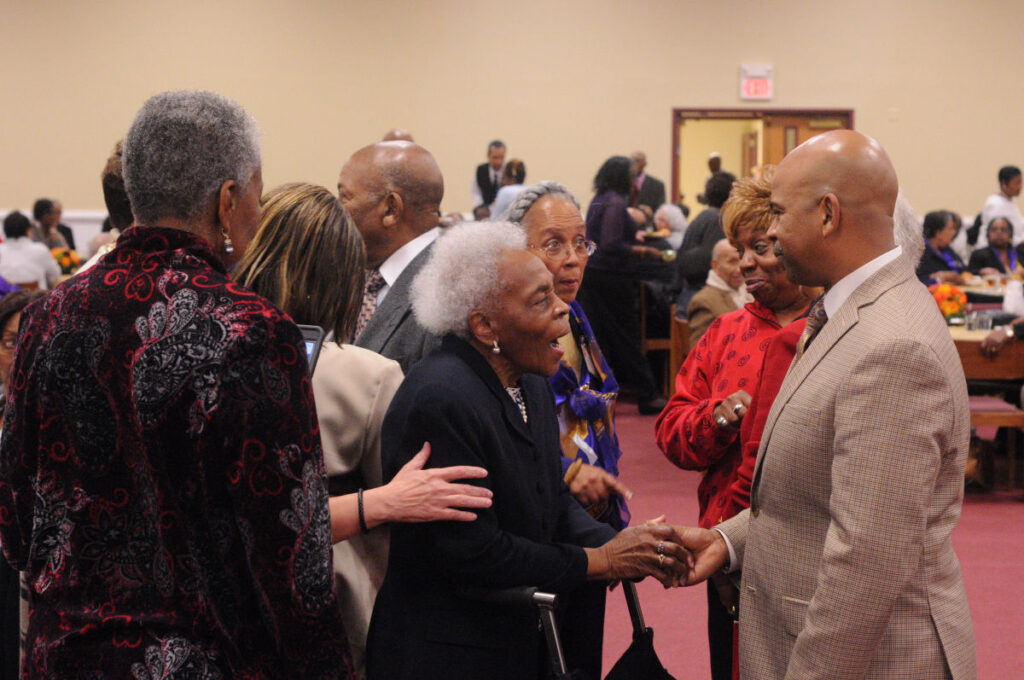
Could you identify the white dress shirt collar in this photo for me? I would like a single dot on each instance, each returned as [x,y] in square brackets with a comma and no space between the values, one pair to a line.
[393,267]
[837,294]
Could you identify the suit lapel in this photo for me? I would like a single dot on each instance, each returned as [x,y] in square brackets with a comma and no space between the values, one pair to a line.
[396,306]
[831,333]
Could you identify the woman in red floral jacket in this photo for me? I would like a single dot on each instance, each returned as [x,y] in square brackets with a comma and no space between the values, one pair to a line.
[699,428]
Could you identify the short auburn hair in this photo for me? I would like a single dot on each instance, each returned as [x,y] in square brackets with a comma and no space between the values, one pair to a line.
[749,202]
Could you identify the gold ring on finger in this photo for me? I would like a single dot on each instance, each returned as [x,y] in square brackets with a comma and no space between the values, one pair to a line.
[661,560]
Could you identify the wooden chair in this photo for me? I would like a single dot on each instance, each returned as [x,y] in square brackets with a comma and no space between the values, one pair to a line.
[675,345]
[994,412]
[679,350]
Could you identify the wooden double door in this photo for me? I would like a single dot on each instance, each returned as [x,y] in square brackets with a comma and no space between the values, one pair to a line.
[746,139]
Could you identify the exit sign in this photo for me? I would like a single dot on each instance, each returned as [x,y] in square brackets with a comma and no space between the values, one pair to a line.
[756,81]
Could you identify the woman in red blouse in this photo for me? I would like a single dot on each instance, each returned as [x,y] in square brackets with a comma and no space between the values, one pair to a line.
[699,429]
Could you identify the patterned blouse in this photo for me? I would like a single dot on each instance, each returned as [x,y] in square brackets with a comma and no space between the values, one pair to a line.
[163,484]
[727,358]
[585,401]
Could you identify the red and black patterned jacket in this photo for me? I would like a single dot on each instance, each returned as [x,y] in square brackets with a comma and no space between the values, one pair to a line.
[162,479]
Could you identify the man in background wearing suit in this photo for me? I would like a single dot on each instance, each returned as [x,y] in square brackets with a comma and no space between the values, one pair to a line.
[487,180]
[647,190]
[848,568]
[393,192]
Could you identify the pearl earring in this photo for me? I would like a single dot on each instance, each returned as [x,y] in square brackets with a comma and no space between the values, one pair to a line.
[496,349]
[228,246]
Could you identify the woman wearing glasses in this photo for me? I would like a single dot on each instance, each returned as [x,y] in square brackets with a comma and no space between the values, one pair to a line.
[585,394]
[610,293]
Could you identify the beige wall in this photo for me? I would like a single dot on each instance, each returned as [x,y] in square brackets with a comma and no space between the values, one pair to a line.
[565,83]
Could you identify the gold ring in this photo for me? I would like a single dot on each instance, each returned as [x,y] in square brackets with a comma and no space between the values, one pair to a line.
[661,560]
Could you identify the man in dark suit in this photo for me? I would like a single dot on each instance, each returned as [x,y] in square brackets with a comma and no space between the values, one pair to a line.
[487,180]
[393,192]
[647,190]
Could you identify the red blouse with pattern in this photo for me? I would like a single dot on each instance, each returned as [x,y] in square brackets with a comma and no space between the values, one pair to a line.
[162,479]
[727,358]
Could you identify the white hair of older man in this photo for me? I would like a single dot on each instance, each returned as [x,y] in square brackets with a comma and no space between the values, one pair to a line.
[462,275]
[907,229]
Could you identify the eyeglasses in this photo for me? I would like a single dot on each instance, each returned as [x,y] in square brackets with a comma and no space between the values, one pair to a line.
[559,250]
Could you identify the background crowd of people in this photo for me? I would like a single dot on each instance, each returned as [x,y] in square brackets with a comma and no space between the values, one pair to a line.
[185,491]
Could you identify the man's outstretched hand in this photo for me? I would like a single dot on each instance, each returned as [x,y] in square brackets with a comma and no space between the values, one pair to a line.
[709,551]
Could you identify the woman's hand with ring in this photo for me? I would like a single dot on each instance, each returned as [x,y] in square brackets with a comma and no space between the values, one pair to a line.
[729,413]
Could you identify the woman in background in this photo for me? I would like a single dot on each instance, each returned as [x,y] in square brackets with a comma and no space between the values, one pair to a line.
[610,293]
[670,224]
[940,263]
[999,257]
[307,258]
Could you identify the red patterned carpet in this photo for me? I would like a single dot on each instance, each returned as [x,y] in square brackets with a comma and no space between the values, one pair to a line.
[989,542]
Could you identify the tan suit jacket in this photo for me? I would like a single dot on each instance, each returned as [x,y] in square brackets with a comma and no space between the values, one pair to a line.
[848,568]
[707,305]
[353,388]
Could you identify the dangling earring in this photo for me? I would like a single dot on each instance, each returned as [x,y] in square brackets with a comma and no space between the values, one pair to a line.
[496,349]
[228,246]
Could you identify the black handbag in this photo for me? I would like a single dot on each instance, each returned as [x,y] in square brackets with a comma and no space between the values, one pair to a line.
[639,661]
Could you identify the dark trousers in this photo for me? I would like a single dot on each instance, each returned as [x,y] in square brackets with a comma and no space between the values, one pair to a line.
[720,632]
[611,303]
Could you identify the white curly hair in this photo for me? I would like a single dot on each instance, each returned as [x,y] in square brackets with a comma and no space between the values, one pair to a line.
[462,275]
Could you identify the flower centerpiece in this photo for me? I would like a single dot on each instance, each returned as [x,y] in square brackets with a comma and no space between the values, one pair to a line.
[951,300]
[67,259]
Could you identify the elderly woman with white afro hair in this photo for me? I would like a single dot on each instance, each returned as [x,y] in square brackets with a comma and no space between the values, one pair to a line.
[482,399]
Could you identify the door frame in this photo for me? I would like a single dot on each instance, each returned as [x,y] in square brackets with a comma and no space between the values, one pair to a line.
[680,114]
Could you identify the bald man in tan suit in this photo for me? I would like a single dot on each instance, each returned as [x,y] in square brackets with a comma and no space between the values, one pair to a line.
[847,566]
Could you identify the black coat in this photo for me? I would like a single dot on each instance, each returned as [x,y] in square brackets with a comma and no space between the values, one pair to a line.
[694,256]
[421,626]
[932,261]
[986,257]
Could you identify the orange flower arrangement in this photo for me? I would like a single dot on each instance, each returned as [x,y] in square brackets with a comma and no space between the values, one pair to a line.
[67,259]
[951,300]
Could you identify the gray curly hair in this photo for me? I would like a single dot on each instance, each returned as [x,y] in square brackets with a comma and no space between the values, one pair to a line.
[525,199]
[462,275]
[181,147]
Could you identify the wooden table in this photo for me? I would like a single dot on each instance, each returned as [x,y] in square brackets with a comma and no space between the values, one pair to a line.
[1007,365]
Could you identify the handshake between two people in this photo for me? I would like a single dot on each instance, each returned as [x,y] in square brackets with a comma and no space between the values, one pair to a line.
[674,555]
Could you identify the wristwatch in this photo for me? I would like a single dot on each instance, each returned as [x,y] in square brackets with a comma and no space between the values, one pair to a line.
[1009,331]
